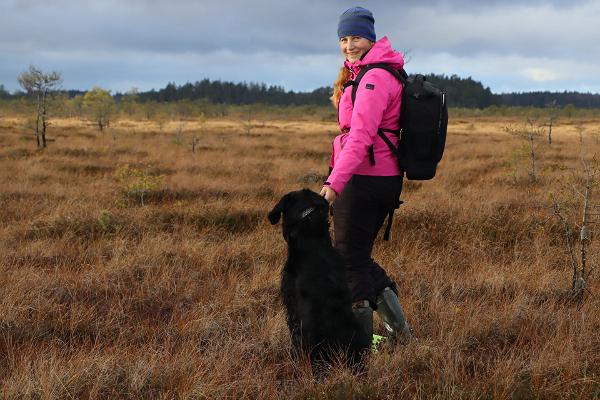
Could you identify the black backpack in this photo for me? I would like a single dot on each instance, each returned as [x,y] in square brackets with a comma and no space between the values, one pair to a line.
[423,123]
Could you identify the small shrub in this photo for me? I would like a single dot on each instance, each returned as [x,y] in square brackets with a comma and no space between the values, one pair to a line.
[178,140]
[530,134]
[137,182]
[107,222]
[517,163]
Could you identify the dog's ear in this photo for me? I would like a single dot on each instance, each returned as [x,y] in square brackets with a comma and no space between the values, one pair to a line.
[275,213]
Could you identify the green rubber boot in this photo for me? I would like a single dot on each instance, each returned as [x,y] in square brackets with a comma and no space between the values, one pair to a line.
[390,311]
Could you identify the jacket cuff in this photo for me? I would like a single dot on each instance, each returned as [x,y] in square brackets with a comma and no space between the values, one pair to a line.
[337,188]
[327,183]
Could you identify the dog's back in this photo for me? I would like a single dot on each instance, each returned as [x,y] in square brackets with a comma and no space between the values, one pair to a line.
[315,288]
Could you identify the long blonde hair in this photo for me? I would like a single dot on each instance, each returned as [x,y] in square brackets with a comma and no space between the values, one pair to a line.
[338,86]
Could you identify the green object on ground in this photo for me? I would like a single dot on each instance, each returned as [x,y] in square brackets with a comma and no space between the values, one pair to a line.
[377,340]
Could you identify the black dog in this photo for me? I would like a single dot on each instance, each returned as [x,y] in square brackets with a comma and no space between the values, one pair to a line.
[313,284]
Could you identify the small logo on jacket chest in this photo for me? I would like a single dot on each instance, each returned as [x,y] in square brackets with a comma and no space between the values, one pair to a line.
[370,86]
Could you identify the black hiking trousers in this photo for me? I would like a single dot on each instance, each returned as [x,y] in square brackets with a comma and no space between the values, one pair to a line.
[358,215]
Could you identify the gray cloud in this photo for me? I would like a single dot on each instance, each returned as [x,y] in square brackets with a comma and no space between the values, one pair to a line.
[151,42]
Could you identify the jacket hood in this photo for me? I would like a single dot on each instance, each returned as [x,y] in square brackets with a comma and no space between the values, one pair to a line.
[381,52]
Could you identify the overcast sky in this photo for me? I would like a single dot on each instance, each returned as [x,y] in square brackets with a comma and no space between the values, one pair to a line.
[508,45]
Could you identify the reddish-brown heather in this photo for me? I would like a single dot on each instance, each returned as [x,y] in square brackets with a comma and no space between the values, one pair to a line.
[101,297]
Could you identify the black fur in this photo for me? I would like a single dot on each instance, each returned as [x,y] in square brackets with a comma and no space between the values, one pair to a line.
[313,284]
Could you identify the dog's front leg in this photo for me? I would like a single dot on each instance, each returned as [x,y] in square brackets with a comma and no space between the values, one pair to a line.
[290,301]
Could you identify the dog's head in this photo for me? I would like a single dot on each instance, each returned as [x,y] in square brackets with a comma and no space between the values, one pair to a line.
[304,213]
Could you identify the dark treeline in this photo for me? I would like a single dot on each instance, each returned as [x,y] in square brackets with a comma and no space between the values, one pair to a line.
[4,94]
[541,99]
[462,92]
[235,93]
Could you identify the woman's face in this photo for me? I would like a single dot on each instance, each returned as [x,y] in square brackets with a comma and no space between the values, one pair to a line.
[353,47]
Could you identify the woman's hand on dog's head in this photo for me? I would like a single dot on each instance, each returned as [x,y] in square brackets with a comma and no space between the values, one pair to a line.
[329,194]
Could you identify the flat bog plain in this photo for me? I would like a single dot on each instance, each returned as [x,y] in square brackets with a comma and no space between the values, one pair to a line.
[132,267]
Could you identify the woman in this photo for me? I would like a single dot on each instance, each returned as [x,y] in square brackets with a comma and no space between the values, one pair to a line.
[365,181]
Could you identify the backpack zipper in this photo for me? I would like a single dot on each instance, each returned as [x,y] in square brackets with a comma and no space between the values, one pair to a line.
[441,109]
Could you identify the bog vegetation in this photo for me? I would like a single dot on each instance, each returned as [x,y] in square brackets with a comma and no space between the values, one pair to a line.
[136,261]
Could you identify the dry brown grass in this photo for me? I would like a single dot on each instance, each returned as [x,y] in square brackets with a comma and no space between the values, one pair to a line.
[103,298]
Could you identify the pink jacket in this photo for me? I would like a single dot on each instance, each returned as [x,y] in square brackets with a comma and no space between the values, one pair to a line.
[376,106]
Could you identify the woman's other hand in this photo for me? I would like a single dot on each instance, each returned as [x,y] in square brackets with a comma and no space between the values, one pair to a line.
[328,193]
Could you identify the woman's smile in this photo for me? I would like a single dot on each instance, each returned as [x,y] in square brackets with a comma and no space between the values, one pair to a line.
[354,47]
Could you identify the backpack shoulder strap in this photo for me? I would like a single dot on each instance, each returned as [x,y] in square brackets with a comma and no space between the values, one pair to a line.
[400,74]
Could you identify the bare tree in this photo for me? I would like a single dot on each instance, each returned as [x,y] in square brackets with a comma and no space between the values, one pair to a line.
[580,129]
[552,117]
[248,122]
[582,266]
[40,85]
[195,139]
[530,132]
[194,143]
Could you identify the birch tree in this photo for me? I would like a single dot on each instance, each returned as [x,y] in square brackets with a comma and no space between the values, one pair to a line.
[100,104]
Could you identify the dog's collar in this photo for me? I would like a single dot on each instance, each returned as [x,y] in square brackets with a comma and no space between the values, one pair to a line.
[306,213]
[303,215]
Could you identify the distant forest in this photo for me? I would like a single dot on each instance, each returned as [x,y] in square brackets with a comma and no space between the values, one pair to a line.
[462,92]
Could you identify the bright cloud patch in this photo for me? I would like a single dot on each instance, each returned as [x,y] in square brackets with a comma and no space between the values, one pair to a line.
[541,74]
[510,75]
